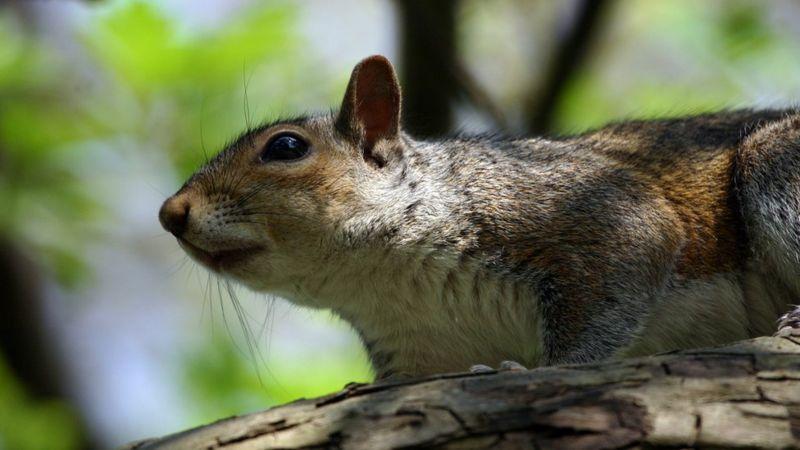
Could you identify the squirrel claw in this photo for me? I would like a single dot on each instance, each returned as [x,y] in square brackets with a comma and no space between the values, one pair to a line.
[481,368]
[505,366]
[789,324]
[511,366]
[788,332]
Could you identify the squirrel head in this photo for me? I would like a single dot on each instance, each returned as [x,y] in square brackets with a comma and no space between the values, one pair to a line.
[274,206]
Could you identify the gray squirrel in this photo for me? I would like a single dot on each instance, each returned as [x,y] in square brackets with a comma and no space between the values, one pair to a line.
[637,238]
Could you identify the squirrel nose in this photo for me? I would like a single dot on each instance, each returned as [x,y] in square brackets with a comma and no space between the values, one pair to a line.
[174,215]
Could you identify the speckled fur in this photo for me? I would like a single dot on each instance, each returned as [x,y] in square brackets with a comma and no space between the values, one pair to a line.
[640,237]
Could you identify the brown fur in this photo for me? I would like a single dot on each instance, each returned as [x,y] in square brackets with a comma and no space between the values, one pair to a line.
[690,162]
[477,249]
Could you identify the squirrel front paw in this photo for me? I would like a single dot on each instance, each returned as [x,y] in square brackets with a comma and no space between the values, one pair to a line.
[505,366]
[789,323]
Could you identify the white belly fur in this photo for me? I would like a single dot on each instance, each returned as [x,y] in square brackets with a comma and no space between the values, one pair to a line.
[446,315]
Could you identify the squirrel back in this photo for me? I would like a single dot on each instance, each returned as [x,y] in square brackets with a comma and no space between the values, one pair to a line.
[447,253]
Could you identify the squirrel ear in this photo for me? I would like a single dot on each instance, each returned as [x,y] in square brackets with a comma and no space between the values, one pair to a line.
[371,106]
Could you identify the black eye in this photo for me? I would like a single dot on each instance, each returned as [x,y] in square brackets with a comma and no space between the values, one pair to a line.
[284,147]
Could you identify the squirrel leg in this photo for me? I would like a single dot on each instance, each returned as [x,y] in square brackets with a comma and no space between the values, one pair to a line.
[789,323]
[769,194]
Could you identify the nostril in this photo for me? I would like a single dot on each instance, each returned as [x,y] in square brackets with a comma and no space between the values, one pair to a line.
[174,215]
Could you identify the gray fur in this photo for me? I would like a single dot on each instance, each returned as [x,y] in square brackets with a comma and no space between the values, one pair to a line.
[640,237]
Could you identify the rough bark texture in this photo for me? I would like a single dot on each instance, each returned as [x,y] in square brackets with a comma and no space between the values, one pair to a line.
[743,395]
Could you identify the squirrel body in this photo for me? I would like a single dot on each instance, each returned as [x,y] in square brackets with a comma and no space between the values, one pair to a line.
[637,238]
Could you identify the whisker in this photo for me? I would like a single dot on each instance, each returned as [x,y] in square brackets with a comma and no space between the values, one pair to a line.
[205,302]
[234,222]
[239,182]
[202,139]
[177,266]
[191,271]
[246,83]
[252,346]
[263,327]
[210,303]
[266,213]
[225,318]
[159,235]
[268,317]
[154,188]
[250,194]
[256,210]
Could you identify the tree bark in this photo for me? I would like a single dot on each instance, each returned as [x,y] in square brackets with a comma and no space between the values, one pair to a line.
[743,395]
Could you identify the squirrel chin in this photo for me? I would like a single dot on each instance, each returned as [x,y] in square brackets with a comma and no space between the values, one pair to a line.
[220,260]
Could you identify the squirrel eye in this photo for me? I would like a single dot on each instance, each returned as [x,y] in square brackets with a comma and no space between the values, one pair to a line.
[284,147]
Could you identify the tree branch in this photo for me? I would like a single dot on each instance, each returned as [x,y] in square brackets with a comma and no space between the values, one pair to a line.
[743,395]
[568,56]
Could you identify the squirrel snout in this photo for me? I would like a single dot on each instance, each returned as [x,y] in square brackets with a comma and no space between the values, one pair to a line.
[174,214]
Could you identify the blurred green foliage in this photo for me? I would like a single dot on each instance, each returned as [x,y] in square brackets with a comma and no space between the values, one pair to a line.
[32,424]
[43,200]
[166,80]
[222,383]
[692,57]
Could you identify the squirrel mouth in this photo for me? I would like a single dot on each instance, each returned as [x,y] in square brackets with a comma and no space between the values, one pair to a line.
[220,259]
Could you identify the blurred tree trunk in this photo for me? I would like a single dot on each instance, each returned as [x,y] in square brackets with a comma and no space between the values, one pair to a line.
[26,345]
[743,395]
[22,332]
[428,57]
[569,56]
